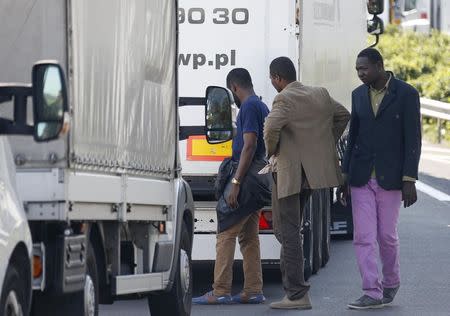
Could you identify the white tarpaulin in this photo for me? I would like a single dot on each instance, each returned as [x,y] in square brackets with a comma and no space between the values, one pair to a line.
[124,84]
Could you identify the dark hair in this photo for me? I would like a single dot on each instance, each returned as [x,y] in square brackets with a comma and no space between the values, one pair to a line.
[372,55]
[284,68]
[240,77]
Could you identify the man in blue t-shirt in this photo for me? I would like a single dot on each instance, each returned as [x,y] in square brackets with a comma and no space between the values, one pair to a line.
[249,152]
[250,119]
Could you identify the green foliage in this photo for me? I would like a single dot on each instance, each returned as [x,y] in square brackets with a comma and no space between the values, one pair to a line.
[423,60]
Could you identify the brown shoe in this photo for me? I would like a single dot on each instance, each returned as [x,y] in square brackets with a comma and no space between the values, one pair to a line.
[286,303]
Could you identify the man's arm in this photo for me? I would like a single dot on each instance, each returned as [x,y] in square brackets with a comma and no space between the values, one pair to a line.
[352,135]
[412,136]
[275,121]
[247,153]
[340,119]
[250,129]
[344,190]
[412,132]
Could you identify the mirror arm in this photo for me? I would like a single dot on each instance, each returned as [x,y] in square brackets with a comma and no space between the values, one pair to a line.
[19,94]
[20,109]
[377,39]
[9,127]
[185,101]
[5,98]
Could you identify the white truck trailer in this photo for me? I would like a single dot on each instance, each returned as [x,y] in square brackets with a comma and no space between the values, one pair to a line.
[108,211]
[323,37]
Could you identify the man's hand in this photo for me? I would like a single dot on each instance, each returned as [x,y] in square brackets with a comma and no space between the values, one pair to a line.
[409,193]
[233,197]
[342,193]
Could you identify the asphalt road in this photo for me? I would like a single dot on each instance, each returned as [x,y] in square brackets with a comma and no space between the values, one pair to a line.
[425,264]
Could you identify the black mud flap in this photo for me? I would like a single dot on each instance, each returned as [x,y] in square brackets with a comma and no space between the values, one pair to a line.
[71,264]
[341,219]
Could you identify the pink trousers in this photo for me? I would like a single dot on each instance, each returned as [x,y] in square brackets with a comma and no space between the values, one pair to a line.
[375,218]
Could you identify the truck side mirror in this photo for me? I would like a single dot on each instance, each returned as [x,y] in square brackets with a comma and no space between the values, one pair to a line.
[375,26]
[218,115]
[49,100]
[375,7]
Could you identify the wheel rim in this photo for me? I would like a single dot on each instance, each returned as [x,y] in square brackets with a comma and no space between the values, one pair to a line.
[12,306]
[185,272]
[89,296]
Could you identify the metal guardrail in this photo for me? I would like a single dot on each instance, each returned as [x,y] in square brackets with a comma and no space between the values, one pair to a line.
[433,108]
[436,109]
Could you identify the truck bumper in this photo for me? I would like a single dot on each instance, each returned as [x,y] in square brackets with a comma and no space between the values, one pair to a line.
[205,248]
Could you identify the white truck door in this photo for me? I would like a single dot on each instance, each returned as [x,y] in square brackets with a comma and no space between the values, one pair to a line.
[215,37]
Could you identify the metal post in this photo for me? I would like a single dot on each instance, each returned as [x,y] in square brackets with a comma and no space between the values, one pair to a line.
[439,127]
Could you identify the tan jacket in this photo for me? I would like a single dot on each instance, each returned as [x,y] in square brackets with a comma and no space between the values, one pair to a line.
[302,130]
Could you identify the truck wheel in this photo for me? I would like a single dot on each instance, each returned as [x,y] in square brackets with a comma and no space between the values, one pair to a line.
[82,303]
[13,300]
[91,291]
[179,300]
[326,222]
[85,303]
[308,240]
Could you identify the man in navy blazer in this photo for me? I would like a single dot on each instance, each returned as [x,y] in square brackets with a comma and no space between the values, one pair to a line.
[381,165]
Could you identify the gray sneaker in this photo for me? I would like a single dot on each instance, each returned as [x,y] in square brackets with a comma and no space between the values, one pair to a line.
[389,294]
[366,302]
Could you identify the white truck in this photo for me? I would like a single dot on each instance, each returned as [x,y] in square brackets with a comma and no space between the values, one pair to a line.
[322,36]
[15,241]
[418,15]
[108,211]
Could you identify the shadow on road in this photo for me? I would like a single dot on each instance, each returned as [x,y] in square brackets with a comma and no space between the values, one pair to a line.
[441,184]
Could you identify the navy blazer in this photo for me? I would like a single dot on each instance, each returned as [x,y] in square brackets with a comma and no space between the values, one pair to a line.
[389,141]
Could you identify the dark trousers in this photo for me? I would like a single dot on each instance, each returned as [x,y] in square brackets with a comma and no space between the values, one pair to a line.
[287,221]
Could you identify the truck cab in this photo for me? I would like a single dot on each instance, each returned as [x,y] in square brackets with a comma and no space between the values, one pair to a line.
[15,242]
[16,247]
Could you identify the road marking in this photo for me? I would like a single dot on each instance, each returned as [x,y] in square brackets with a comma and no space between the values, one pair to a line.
[436,149]
[436,158]
[438,195]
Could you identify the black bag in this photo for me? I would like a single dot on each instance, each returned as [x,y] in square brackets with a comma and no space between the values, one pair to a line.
[255,193]
[227,169]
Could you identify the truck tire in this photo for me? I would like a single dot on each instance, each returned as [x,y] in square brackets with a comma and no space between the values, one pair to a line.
[326,222]
[178,300]
[13,301]
[308,240]
[317,198]
[82,303]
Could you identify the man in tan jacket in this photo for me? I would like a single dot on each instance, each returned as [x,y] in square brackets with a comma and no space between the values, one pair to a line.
[301,132]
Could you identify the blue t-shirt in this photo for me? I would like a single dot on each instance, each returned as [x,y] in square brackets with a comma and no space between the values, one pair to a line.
[250,119]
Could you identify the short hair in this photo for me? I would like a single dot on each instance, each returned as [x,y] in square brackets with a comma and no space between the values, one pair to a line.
[284,68]
[240,77]
[372,55]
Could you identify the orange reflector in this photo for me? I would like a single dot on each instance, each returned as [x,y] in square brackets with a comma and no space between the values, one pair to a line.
[83,228]
[198,149]
[37,267]
[162,227]
[265,220]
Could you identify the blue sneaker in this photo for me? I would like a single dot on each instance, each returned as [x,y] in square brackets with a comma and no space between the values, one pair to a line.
[210,299]
[243,298]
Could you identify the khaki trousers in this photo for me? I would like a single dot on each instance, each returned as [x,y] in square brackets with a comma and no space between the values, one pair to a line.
[247,232]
